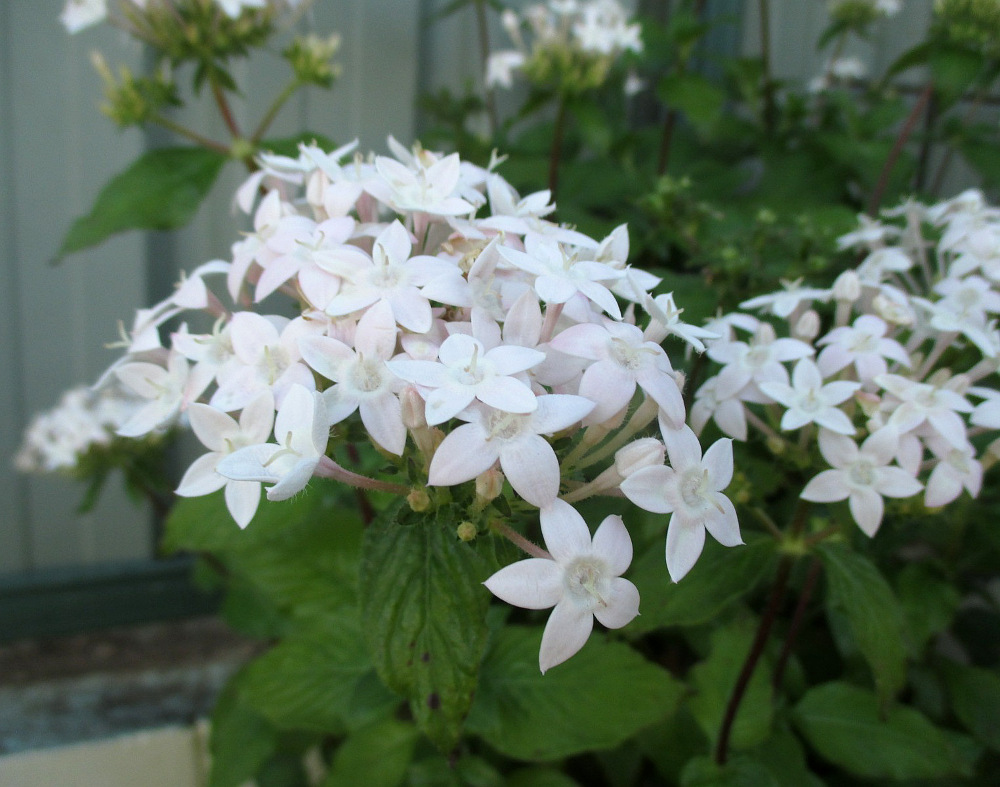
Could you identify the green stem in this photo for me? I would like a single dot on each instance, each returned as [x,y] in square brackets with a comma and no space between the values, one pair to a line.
[519,541]
[273,110]
[184,131]
[557,142]
[224,109]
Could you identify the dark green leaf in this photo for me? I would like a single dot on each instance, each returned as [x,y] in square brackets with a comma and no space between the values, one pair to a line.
[241,739]
[309,680]
[375,756]
[844,725]
[928,603]
[160,191]
[721,576]
[975,698]
[714,679]
[424,609]
[740,771]
[539,777]
[603,695]
[858,592]
[698,99]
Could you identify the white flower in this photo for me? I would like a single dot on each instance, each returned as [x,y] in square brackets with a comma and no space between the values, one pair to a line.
[582,581]
[808,400]
[691,490]
[80,14]
[862,476]
[525,456]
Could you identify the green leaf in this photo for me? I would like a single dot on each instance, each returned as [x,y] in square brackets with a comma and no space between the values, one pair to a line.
[696,97]
[740,771]
[375,756]
[954,69]
[844,725]
[858,592]
[714,678]
[539,777]
[161,190]
[975,698]
[309,680]
[424,609]
[785,759]
[928,603]
[241,739]
[721,576]
[603,695]
[672,742]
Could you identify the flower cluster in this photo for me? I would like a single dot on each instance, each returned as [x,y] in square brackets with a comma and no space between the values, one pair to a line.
[59,439]
[80,14]
[572,47]
[488,354]
[888,387]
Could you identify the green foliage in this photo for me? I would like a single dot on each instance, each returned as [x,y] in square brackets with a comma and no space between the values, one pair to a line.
[596,700]
[424,611]
[858,592]
[160,191]
[844,724]
[377,755]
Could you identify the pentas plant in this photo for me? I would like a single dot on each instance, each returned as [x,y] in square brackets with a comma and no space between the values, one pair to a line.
[491,356]
[888,386]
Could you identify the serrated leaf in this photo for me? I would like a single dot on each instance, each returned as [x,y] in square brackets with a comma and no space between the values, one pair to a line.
[975,698]
[375,756]
[860,594]
[714,678]
[161,190]
[309,680]
[844,725]
[241,739]
[424,609]
[596,700]
[721,576]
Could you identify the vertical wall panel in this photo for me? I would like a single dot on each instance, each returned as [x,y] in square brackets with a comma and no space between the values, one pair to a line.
[60,150]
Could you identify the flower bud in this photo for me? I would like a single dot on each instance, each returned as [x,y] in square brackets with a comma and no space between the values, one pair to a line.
[418,500]
[847,287]
[413,408]
[645,452]
[466,531]
[890,311]
[489,485]
[807,326]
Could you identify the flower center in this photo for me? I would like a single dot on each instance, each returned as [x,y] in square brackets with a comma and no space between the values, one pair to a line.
[693,488]
[863,343]
[367,375]
[625,355]
[862,472]
[587,583]
[505,426]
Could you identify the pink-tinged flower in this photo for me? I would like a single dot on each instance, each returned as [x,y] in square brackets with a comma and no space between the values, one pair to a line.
[582,581]
[425,186]
[390,275]
[691,490]
[861,475]
[222,435]
[466,371]
[302,431]
[168,391]
[863,344]
[621,359]
[526,457]
[729,414]
[560,276]
[809,401]
[362,379]
[265,356]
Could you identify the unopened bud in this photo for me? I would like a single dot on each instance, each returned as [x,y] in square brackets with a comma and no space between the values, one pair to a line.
[489,485]
[890,311]
[776,445]
[466,531]
[418,500]
[807,326]
[412,408]
[847,287]
[645,452]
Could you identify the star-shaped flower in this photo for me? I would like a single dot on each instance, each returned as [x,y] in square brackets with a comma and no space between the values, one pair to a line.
[582,581]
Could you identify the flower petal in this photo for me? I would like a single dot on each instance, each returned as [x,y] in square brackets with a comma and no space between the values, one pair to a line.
[535,583]
[566,632]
